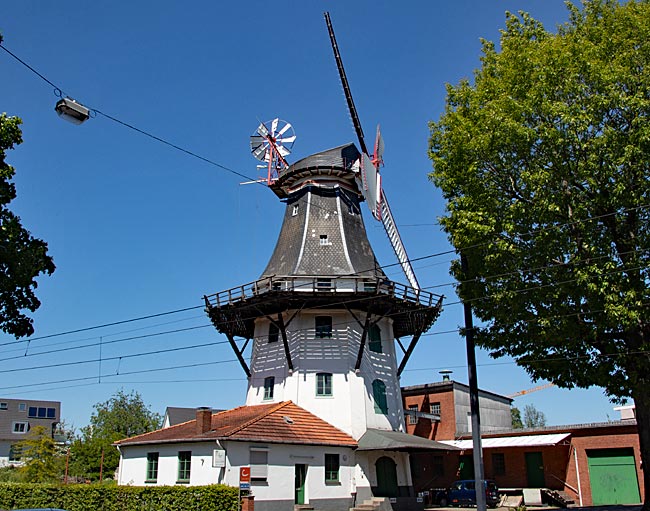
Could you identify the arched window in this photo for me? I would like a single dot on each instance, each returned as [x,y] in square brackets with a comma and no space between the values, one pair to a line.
[374,334]
[379,395]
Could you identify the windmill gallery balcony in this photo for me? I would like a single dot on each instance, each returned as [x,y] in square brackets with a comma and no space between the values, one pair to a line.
[234,310]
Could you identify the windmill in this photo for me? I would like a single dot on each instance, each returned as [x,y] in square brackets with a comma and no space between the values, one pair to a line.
[370,179]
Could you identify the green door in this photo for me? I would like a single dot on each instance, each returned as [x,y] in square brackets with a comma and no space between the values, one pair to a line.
[612,474]
[301,475]
[535,469]
[466,467]
[386,477]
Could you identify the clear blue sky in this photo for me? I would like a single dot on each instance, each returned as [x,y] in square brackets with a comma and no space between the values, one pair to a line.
[137,228]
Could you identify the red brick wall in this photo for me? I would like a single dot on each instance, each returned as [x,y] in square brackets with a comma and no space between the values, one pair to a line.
[559,463]
[602,441]
[443,430]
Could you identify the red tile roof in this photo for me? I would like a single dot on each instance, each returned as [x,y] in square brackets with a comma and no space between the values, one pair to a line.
[284,422]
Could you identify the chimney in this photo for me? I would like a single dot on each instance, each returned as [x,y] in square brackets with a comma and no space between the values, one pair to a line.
[203,420]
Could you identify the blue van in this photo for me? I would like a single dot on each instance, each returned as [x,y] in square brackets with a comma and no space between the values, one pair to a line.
[463,493]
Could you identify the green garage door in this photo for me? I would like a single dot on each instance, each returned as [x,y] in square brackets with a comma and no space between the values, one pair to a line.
[612,473]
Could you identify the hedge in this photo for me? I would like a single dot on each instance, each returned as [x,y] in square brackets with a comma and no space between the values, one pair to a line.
[90,497]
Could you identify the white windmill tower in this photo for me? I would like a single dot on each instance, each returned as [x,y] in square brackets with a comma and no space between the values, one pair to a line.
[323,316]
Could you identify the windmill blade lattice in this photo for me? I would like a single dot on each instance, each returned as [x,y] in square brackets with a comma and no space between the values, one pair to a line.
[272,138]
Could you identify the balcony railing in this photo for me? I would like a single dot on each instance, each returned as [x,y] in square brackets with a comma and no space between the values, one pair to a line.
[344,285]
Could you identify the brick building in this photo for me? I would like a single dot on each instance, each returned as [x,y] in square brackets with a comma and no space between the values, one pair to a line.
[592,464]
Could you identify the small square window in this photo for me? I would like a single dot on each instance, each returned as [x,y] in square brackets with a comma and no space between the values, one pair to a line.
[184,466]
[152,467]
[42,412]
[499,463]
[22,407]
[3,406]
[374,333]
[323,327]
[20,427]
[413,419]
[323,284]
[437,466]
[14,453]
[259,463]
[274,333]
[323,384]
[33,412]
[435,408]
[51,413]
[269,383]
[332,466]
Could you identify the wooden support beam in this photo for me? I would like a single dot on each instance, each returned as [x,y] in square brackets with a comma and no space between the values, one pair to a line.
[408,353]
[362,344]
[242,362]
[283,331]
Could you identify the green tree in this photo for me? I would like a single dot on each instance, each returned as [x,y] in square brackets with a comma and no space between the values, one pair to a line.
[544,160]
[533,418]
[42,459]
[515,413]
[122,416]
[22,257]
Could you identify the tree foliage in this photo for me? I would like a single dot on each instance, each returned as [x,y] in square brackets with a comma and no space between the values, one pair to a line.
[121,416]
[22,257]
[533,418]
[42,460]
[515,413]
[544,161]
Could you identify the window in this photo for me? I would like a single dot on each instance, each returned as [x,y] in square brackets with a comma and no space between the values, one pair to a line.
[22,407]
[323,384]
[259,462]
[323,284]
[3,406]
[413,419]
[14,453]
[379,395]
[324,240]
[20,427]
[332,465]
[269,382]
[323,327]
[274,332]
[374,333]
[294,212]
[437,466]
[499,463]
[152,467]
[435,408]
[184,465]
[41,412]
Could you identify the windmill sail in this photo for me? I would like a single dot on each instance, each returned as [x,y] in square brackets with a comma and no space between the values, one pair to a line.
[370,177]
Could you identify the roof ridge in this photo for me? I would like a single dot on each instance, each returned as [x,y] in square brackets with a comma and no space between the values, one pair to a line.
[280,405]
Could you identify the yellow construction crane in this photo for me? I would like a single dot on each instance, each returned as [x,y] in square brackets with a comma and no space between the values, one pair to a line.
[534,389]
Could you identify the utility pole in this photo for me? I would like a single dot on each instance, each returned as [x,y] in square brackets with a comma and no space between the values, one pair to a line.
[479,476]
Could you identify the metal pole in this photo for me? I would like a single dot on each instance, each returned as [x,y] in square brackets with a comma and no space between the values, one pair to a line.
[479,476]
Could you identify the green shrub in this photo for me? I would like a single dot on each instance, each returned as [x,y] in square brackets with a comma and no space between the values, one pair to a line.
[95,497]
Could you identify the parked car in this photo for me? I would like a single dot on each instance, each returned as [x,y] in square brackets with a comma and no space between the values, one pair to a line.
[463,493]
